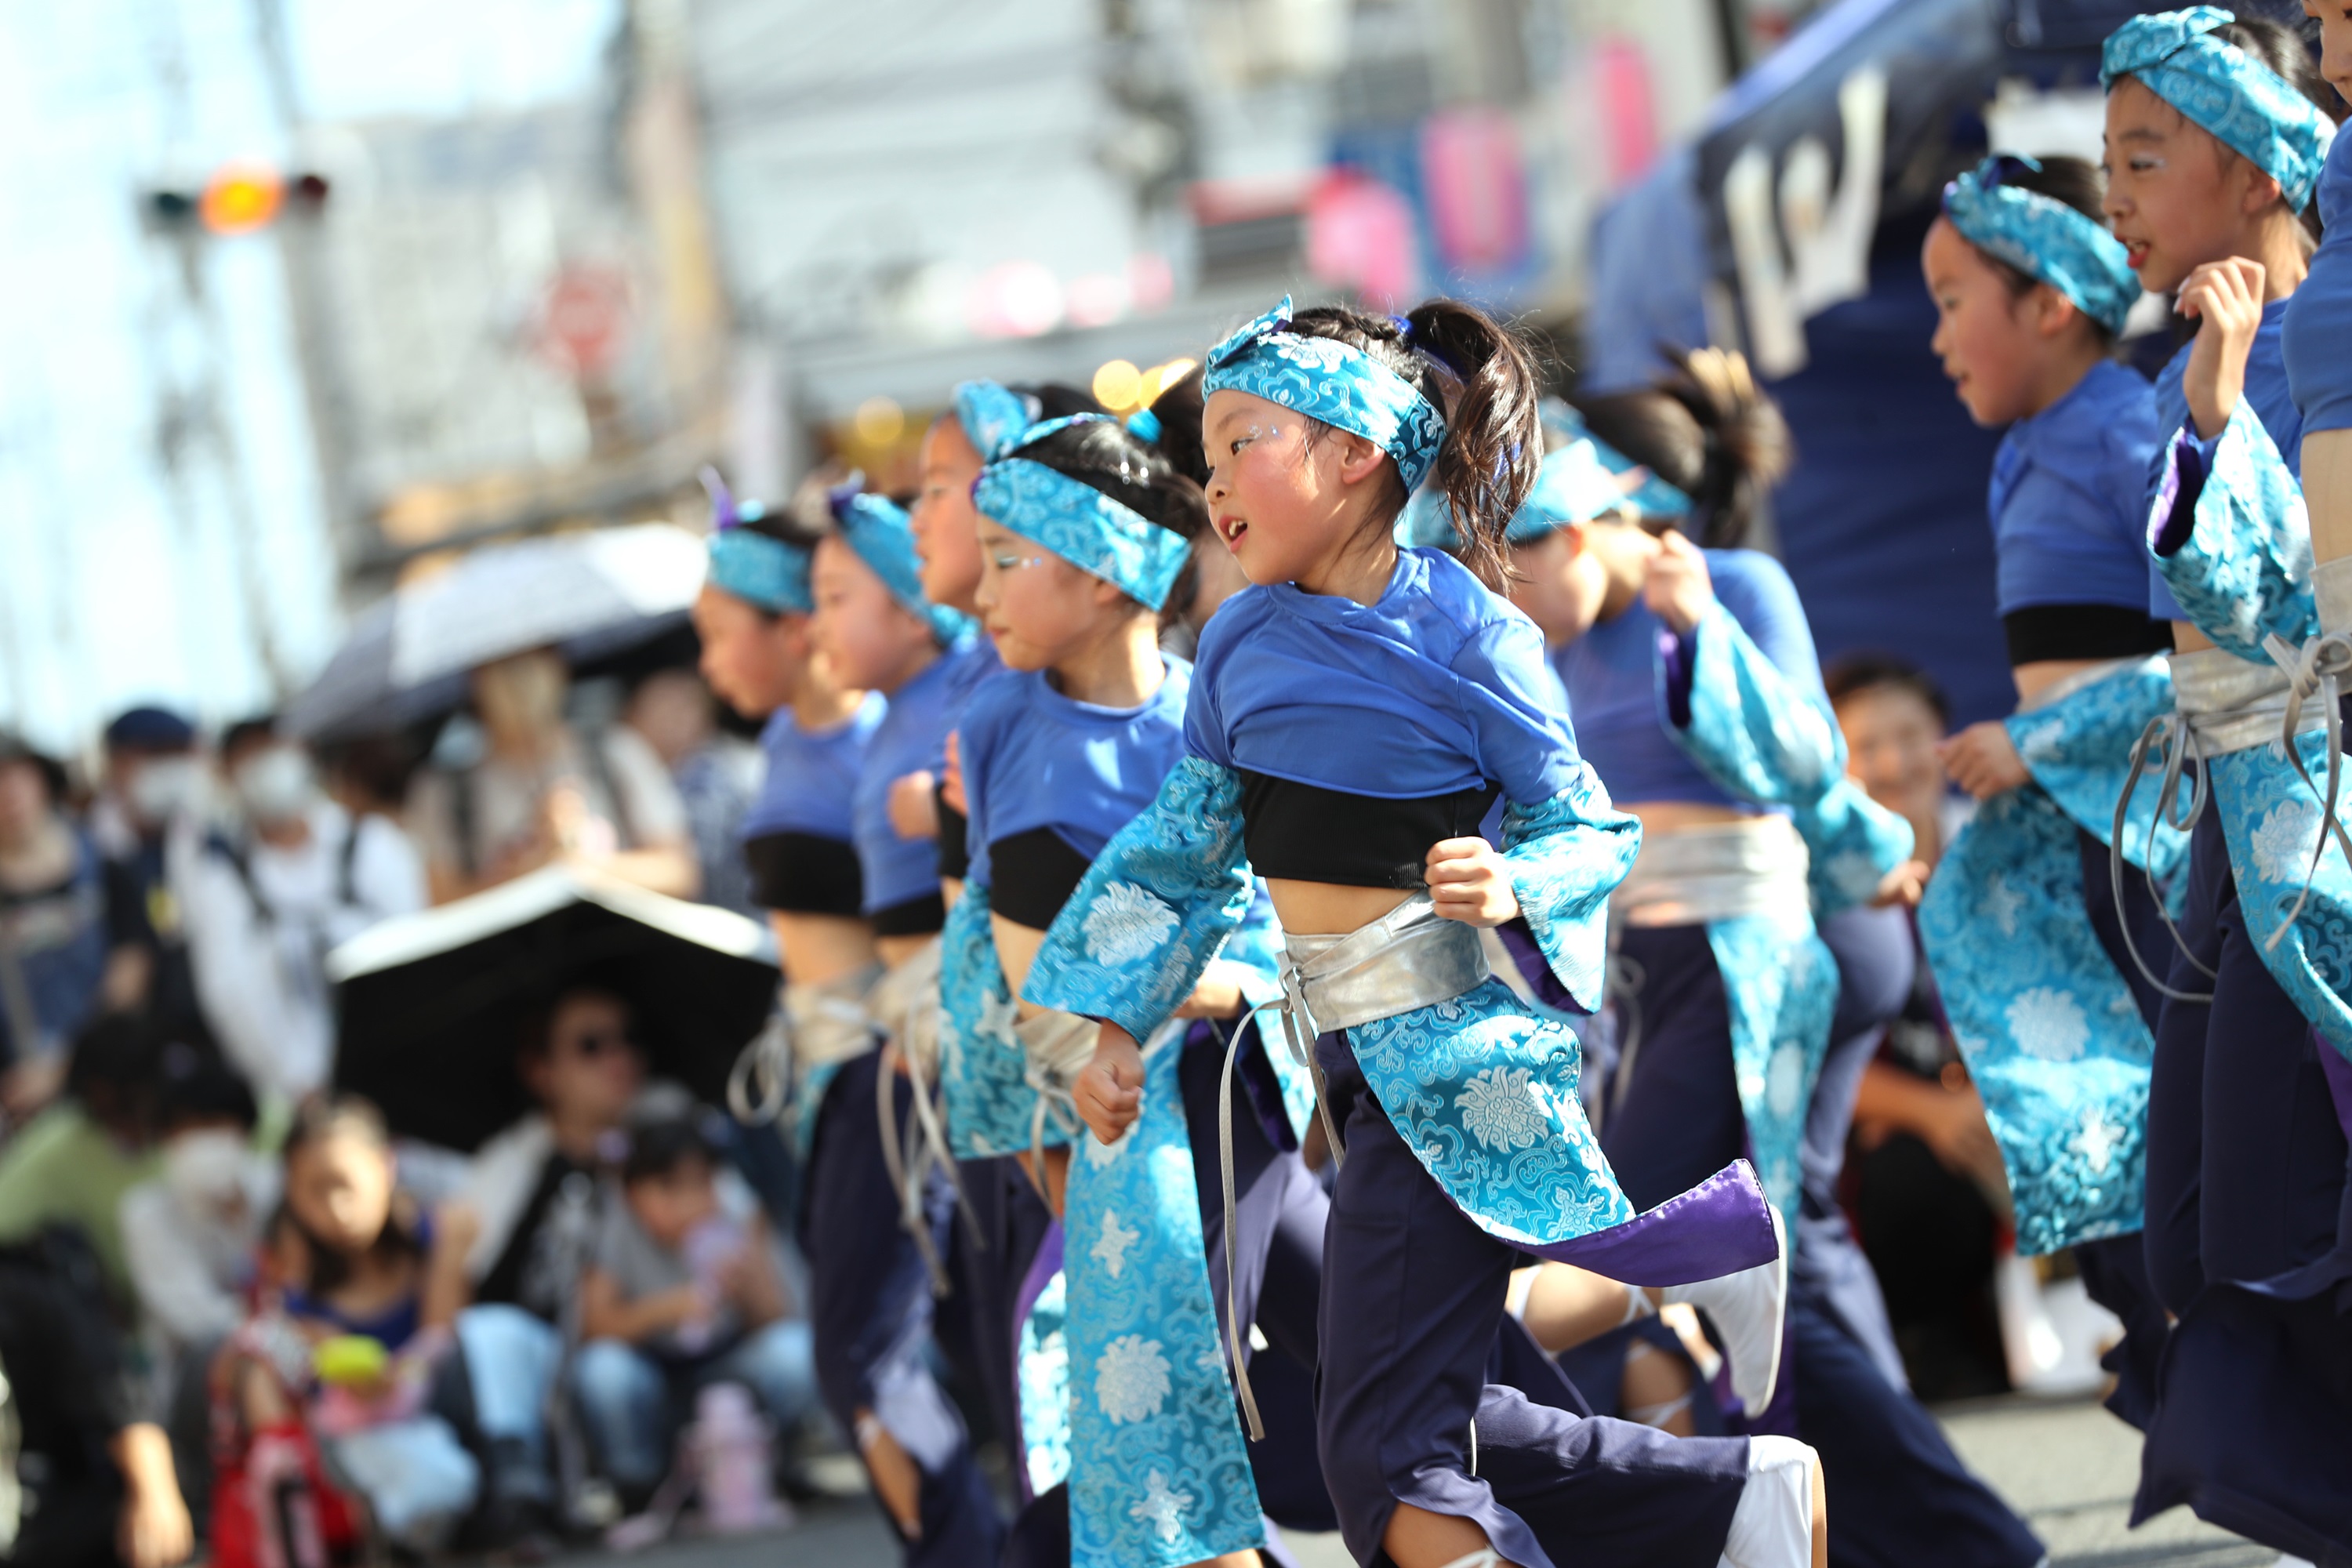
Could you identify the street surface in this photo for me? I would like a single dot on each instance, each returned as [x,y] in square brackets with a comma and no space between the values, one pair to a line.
[2070,1468]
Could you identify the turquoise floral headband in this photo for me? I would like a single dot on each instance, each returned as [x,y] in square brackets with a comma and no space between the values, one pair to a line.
[2043,238]
[1081,524]
[2247,106]
[880,533]
[994,418]
[1325,379]
[763,571]
[1583,479]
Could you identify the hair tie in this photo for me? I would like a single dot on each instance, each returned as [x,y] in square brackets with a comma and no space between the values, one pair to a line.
[1143,425]
[1403,324]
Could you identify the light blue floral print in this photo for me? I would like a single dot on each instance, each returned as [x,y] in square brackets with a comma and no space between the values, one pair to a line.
[1043,1369]
[983,1073]
[2052,1036]
[1328,380]
[1782,985]
[2244,572]
[2078,750]
[2271,823]
[2247,106]
[1851,842]
[1160,1472]
[1750,732]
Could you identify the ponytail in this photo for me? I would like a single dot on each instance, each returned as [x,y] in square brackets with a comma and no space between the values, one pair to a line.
[1708,430]
[1465,362]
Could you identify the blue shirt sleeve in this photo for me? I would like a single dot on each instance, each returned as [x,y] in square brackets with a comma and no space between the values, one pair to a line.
[1518,719]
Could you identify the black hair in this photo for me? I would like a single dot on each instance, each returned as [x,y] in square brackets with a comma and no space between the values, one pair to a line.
[204,1089]
[260,728]
[324,1116]
[1178,409]
[1705,428]
[1053,400]
[2072,182]
[1105,455]
[785,528]
[535,1033]
[1493,438]
[1856,673]
[659,1146]
[116,1071]
[15,749]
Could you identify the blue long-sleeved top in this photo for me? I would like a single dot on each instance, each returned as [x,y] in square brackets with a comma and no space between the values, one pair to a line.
[812,776]
[2065,499]
[911,738]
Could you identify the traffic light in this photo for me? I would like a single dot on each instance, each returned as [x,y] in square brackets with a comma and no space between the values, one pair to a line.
[239,198]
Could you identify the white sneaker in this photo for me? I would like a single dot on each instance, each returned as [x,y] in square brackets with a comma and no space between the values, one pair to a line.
[1748,1309]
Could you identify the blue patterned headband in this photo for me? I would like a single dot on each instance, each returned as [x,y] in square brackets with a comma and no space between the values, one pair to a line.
[2043,238]
[761,571]
[880,533]
[1081,524]
[2247,106]
[1584,480]
[1325,379]
[994,418]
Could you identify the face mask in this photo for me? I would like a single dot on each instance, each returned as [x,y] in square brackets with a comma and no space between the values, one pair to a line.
[277,786]
[206,1170]
[163,787]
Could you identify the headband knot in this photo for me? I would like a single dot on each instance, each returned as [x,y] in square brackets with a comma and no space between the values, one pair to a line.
[762,570]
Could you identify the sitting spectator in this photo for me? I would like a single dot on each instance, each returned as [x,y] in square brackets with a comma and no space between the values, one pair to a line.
[716,776]
[683,1294]
[76,1160]
[377,1286]
[53,940]
[191,1235]
[268,893]
[541,792]
[95,1484]
[1928,1187]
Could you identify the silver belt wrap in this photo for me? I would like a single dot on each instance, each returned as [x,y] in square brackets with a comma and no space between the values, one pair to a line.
[1411,957]
[813,1025]
[905,1005]
[1688,876]
[2232,704]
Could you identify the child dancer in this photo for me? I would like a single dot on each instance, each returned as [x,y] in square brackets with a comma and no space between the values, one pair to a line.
[873,1244]
[1694,673]
[1352,716]
[2030,294]
[2217,130]
[1084,533]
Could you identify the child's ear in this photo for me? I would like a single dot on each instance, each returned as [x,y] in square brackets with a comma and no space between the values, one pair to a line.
[1360,458]
[2054,312]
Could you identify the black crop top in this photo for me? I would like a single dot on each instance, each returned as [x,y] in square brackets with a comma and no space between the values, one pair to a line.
[2041,632]
[804,873]
[955,857]
[1032,875]
[1305,833]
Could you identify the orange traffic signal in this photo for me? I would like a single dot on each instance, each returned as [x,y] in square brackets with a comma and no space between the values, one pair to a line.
[241,199]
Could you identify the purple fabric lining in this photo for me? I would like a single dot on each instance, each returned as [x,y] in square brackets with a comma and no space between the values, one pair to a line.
[2174,515]
[1678,658]
[1534,968]
[1719,1227]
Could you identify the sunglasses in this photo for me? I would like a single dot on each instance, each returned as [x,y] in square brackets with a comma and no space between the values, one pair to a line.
[595,1043]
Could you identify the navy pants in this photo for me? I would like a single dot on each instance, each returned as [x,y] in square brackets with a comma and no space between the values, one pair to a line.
[2246,1242]
[870,1311]
[1413,1298]
[1901,1494]
[992,1257]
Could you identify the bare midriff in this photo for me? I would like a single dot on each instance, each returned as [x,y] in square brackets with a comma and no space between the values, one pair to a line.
[817,949]
[1329,908]
[2039,675]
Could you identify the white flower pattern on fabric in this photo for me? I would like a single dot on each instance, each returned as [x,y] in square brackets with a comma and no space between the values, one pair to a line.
[1163,1507]
[1099,1153]
[2097,1142]
[2002,904]
[2042,740]
[1127,925]
[1784,1081]
[2049,1024]
[2282,842]
[1499,1106]
[1110,1248]
[1131,1379]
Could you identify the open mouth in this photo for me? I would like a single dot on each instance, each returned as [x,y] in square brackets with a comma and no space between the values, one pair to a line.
[1230,530]
[2136,253]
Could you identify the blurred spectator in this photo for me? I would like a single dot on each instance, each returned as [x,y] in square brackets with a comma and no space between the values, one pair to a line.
[53,931]
[379,1283]
[76,1160]
[1929,1190]
[191,1235]
[541,792]
[154,777]
[685,1293]
[267,893]
[716,773]
[95,1483]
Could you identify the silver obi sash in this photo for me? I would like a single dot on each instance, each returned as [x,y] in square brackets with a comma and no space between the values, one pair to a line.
[814,1026]
[1411,957]
[1689,875]
[2232,704]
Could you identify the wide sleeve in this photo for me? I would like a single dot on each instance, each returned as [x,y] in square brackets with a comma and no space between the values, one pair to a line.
[990,1105]
[2079,749]
[2231,538]
[1157,905]
[1740,717]
[1567,854]
[1851,842]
